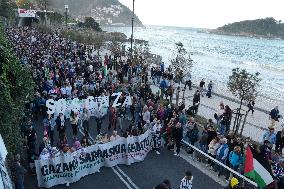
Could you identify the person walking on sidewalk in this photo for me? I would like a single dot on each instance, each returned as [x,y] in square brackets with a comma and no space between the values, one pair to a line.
[209,91]
[196,102]
[201,87]
[186,182]
[274,114]
[251,107]
[187,81]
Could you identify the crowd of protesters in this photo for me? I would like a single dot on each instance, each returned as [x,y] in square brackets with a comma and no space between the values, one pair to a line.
[62,68]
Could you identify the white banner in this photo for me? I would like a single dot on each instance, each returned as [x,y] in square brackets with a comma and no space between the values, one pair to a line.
[91,103]
[27,13]
[71,167]
[5,181]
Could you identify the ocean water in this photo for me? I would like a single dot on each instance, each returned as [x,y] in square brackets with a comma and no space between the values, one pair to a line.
[216,55]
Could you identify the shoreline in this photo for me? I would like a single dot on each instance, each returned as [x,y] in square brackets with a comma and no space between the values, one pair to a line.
[248,35]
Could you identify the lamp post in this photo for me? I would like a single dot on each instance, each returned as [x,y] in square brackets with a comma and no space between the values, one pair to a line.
[45,16]
[131,45]
[66,12]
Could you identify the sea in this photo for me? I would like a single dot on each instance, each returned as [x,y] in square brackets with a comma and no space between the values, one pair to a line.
[215,56]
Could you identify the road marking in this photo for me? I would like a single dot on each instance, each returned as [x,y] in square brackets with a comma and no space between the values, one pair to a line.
[119,173]
[127,177]
[121,178]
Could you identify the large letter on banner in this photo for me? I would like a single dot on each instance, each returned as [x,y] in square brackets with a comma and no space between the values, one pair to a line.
[50,104]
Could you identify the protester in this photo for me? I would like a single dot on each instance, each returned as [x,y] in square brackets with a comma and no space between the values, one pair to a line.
[114,136]
[74,119]
[177,135]
[235,158]
[20,172]
[270,135]
[234,184]
[186,182]
[279,143]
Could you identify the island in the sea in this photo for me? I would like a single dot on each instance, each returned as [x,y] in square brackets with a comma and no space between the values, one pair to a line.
[263,28]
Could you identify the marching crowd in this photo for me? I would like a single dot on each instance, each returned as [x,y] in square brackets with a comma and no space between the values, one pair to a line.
[62,68]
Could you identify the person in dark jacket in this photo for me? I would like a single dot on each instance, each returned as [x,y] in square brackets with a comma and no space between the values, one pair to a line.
[60,123]
[211,134]
[196,102]
[20,172]
[193,135]
[274,114]
[279,144]
[177,135]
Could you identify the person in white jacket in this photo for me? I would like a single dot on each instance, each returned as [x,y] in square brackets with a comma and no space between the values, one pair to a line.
[186,182]
[212,150]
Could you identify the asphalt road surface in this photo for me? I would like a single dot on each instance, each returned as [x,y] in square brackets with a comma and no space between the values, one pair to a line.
[142,175]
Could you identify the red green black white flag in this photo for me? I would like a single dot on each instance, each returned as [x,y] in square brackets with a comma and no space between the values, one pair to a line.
[257,168]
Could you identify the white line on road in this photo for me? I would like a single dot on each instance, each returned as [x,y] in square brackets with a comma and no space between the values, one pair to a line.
[121,178]
[119,173]
[127,177]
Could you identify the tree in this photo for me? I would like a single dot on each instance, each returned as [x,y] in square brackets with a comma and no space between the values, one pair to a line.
[141,48]
[182,59]
[16,87]
[244,86]
[4,8]
[90,23]
[115,47]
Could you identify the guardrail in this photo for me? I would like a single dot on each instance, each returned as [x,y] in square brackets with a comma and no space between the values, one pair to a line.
[221,164]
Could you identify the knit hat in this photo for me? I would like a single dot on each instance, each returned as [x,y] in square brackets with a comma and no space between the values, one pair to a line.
[234,182]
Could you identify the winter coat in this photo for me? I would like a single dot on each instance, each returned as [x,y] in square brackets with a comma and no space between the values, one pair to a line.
[213,148]
[235,158]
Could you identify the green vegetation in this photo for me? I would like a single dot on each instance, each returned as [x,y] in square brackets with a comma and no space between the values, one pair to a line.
[268,27]
[16,87]
[244,86]
[91,24]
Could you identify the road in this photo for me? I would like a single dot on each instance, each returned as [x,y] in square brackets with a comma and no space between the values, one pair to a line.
[143,175]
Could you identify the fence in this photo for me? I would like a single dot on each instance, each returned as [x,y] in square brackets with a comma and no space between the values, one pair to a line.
[248,184]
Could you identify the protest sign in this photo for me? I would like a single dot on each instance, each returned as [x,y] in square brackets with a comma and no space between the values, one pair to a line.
[91,103]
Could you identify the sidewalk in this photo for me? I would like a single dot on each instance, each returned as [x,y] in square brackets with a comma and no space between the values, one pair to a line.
[255,126]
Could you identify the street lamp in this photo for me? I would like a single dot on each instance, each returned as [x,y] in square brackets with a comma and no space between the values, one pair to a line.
[66,12]
[45,16]
[131,47]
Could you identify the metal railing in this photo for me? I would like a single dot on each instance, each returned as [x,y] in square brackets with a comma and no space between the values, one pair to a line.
[235,173]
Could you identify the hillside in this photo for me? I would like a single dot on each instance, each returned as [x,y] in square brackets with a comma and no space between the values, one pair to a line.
[268,28]
[105,12]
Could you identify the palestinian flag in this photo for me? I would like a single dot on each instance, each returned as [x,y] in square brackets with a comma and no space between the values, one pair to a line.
[257,168]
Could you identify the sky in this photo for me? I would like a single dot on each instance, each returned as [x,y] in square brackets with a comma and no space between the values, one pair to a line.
[204,13]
